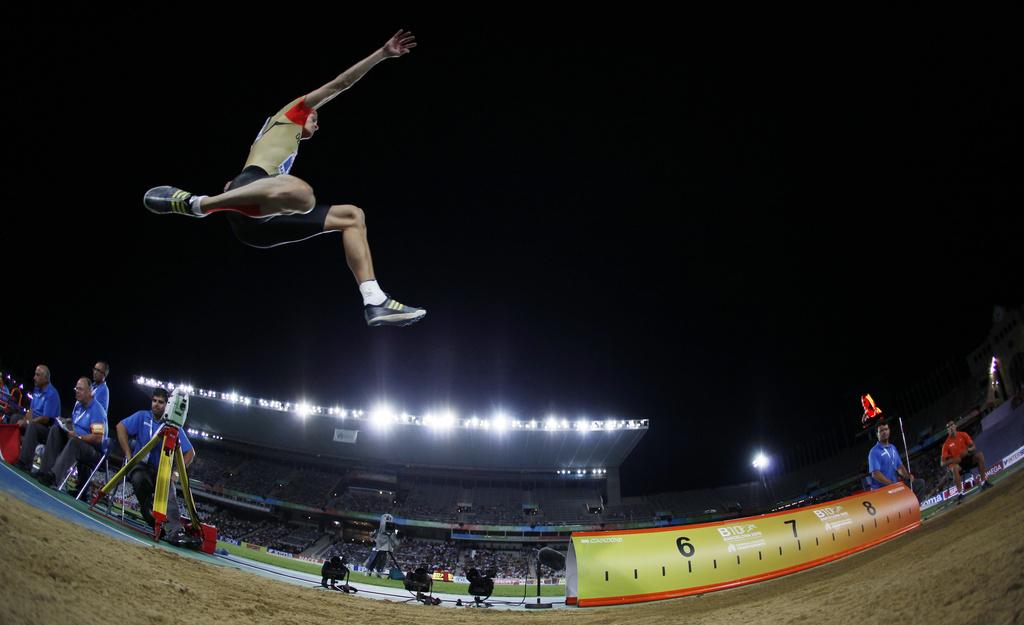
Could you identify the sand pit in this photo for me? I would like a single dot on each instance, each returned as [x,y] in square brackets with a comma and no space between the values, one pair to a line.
[963,567]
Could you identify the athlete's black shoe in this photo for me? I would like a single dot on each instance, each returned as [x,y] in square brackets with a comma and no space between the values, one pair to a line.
[392,313]
[165,200]
[986,485]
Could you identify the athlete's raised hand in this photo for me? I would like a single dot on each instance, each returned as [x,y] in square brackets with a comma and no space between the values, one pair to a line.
[401,43]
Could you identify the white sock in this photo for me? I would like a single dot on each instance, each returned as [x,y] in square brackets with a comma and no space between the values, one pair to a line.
[372,295]
[196,204]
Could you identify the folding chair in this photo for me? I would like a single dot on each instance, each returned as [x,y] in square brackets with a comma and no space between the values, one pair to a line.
[105,453]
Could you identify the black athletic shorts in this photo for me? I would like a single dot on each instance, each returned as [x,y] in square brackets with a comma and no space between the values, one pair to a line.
[274,230]
[967,463]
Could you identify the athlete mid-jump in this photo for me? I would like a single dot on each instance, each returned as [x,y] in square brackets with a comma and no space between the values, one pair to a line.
[268,207]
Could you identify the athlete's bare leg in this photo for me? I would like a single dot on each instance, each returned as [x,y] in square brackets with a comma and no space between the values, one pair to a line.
[279,195]
[379,309]
[351,222]
[955,469]
[288,195]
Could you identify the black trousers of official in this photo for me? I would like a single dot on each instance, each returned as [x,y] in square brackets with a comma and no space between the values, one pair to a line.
[143,479]
[61,454]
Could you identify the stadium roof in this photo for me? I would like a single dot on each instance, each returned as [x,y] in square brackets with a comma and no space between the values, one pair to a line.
[441,440]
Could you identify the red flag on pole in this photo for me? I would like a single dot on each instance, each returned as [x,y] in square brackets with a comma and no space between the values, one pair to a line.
[872,411]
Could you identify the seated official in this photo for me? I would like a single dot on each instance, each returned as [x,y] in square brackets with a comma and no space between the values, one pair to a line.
[886,467]
[132,435]
[78,440]
[100,373]
[42,413]
[960,456]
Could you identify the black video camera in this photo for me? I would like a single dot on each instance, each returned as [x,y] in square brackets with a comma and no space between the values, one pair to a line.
[334,569]
[480,585]
[418,580]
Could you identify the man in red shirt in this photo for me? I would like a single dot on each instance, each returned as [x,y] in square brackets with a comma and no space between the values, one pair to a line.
[960,455]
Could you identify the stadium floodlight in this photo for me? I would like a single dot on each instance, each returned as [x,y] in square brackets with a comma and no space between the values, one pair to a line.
[382,415]
[441,421]
[761,461]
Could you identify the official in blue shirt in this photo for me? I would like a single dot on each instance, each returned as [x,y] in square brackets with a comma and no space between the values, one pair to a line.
[132,434]
[80,440]
[100,392]
[43,411]
[885,465]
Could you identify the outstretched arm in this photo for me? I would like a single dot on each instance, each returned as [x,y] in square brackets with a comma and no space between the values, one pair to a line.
[401,43]
[122,439]
[902,470]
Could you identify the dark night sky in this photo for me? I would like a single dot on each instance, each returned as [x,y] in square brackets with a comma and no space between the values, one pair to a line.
[732,236]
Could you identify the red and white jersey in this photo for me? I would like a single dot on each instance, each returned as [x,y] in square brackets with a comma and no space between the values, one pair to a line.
[277,145]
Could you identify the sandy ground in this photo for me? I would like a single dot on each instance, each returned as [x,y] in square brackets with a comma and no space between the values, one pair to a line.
[964,567]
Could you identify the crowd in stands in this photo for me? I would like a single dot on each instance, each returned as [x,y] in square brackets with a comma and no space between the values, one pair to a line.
[363,501]
[435,556]
[296,540]
[213,466]
[232,526]
[452,502]
[508,564]
[307,486]
[352,552]
[268,534]
[223,470]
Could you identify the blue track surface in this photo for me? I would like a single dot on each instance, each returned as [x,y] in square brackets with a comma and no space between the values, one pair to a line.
[17,484]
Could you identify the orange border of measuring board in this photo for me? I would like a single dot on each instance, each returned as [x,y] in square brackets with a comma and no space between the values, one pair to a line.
[682,592]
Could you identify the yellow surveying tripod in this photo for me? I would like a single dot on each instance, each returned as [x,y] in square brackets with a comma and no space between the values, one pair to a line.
[167,437]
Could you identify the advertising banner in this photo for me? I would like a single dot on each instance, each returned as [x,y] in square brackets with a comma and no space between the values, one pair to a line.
[605,568]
